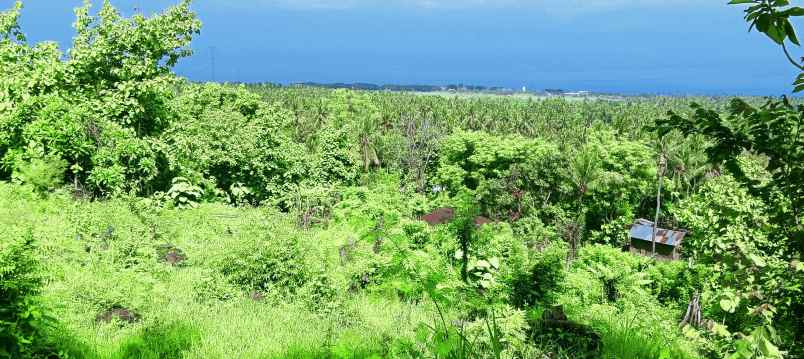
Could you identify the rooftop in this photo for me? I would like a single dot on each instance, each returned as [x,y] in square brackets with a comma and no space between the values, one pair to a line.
[642,229]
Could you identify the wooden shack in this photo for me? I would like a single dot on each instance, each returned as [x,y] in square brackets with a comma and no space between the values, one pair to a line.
[668,242]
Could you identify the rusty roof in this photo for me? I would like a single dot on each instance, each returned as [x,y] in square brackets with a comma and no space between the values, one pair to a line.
[642,229]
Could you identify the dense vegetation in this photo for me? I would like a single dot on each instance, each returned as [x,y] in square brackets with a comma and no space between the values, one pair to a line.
[145,216]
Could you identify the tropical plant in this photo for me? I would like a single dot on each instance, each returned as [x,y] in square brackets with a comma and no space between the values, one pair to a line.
[23,319]
[772,18]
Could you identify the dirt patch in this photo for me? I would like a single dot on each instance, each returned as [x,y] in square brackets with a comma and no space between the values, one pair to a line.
[257,296]
[169,254]
[122,314]
[345,251]
[480,221]
[439,216]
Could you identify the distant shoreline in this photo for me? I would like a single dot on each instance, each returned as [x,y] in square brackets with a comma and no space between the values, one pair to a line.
[479,90]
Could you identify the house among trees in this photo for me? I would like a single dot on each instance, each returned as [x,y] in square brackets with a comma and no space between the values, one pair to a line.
[668,242]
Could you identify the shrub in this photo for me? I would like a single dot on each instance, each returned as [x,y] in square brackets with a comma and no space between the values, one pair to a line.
[43,174]
[538,285]
[159,341]
[183,193]
[22,317]
[274,265]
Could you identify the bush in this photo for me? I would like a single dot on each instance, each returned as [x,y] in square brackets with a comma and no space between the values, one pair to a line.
[273,265]
[22,319]
[538,286]
[43,174]
[159,341]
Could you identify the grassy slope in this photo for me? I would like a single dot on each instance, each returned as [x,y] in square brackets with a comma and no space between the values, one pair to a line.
[189,311]
[170,300]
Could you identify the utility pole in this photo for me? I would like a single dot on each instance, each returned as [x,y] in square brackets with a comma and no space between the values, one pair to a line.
[662,167]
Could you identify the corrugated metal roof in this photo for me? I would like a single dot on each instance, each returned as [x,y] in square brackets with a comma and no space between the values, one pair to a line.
[642,229]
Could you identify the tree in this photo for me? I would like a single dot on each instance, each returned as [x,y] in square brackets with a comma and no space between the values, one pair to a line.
[768,253]
[585,171]
[99,108]
[772,18]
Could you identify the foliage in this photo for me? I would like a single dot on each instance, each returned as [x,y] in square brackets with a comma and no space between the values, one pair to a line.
[772,18]
[731,233]
[771,131]
[506,175]
[43,174]
[289,249]
[22,316]
[183,193]
[233,139]
[98,108]
[354,112]
[539,285]
[609,290]
[273,265]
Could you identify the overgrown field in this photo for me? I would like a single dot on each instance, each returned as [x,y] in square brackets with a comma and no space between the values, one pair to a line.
[143,216]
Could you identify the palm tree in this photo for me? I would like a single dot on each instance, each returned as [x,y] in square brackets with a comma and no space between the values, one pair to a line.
[688,163]
[585,171]
[368,135]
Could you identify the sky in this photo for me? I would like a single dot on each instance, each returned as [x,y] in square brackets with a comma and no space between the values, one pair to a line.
[678,47]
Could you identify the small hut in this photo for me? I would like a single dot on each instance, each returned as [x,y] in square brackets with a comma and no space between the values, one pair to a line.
[668,242]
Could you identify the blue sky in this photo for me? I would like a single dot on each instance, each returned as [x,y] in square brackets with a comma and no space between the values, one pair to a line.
[627,46]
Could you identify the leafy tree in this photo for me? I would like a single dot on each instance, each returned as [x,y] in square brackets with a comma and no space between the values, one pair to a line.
[235,140]
[756,230]
[773,131]
[99,107]
[730,232]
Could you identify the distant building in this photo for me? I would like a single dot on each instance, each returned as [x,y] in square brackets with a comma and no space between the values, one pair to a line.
[554,92]
[668,242]
[577,94]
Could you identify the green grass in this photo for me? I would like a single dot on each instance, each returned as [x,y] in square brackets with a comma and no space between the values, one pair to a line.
[101,255]
[175,322]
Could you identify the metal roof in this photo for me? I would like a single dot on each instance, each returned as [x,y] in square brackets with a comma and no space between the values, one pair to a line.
[642,229]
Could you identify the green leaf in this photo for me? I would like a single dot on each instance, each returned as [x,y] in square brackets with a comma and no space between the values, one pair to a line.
[791,32]
[776,33]
[721,330]
[758,261]
[729,303]
[768,349]
[793,11]
[495,263]
[737,2]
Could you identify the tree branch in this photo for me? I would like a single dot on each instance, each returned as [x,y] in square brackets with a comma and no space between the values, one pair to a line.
[790,58]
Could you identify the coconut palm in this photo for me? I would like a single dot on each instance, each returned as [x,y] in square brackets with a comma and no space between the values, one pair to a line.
[585,172]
